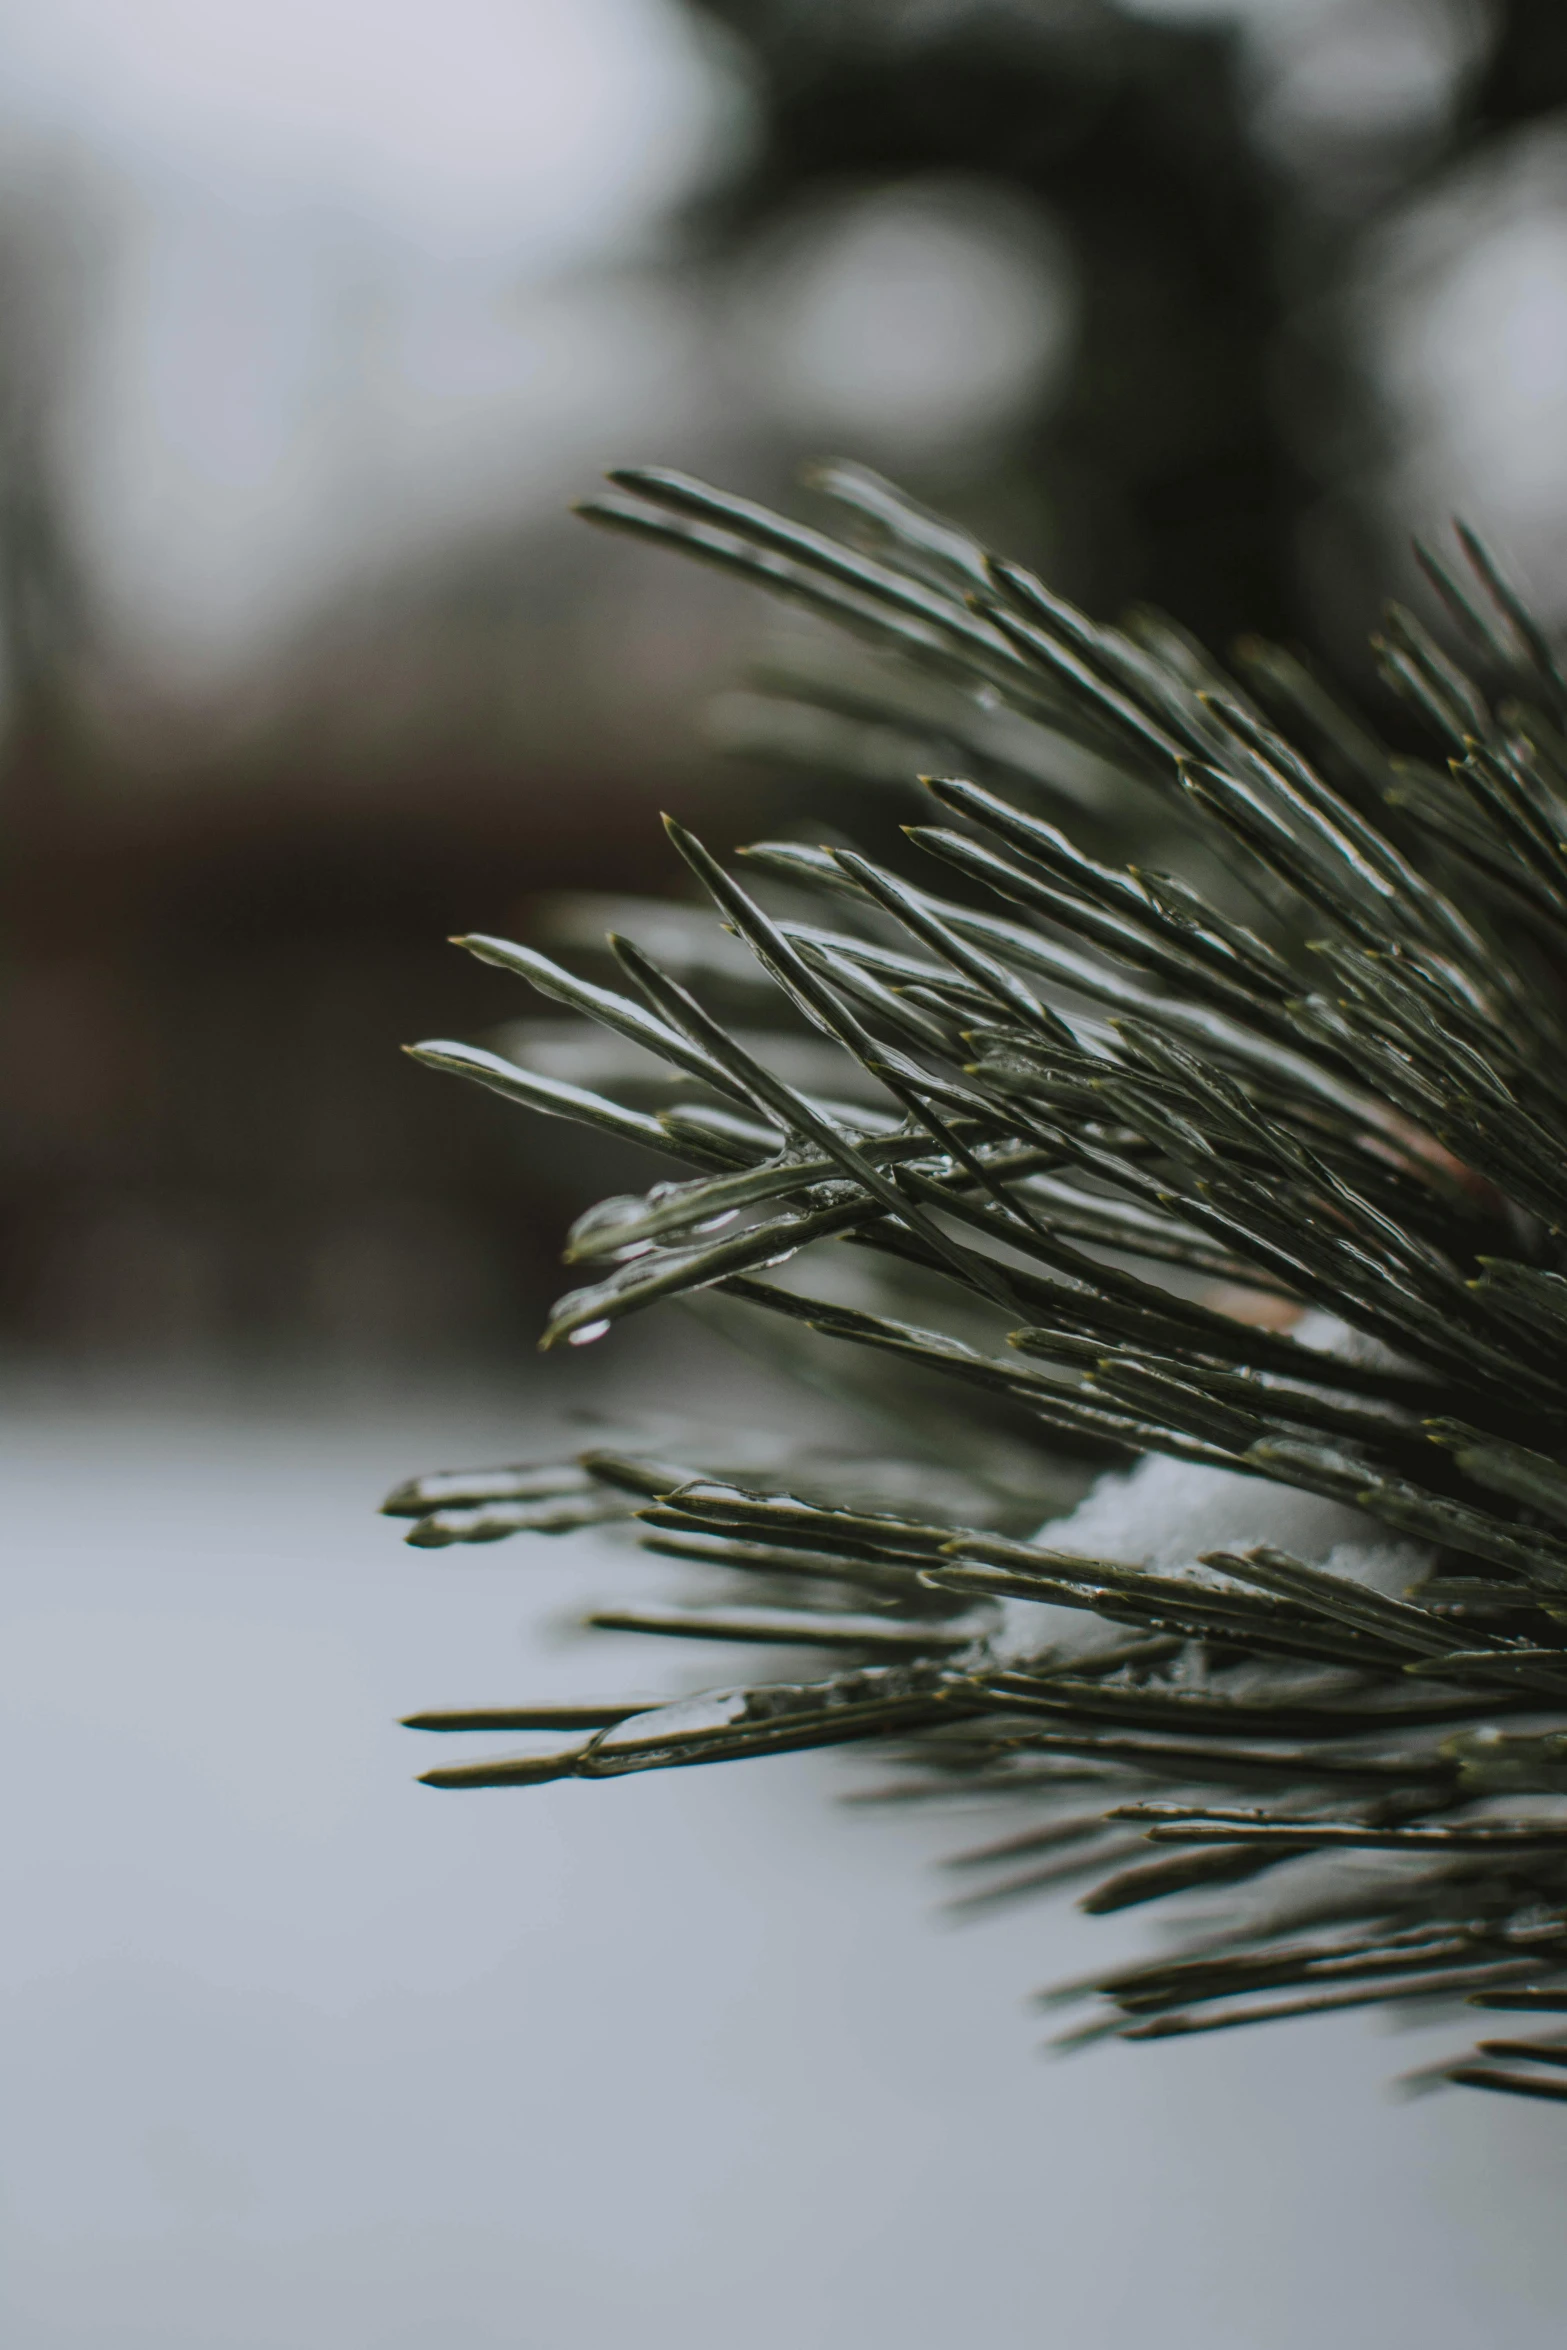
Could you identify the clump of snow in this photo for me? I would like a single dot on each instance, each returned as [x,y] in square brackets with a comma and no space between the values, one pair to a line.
[1163,1514]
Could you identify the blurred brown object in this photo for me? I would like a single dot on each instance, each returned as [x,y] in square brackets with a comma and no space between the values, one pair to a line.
[1261,1309]
[219,927]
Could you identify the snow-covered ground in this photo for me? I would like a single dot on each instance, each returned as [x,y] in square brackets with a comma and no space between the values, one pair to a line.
[300,2055]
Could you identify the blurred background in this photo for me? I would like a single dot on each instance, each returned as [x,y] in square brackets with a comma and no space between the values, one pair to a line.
[314,317]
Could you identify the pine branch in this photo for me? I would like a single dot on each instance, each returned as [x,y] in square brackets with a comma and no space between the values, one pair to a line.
[1072,1097]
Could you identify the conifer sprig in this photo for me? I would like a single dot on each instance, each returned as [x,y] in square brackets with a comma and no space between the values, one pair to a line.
[1024,1111]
